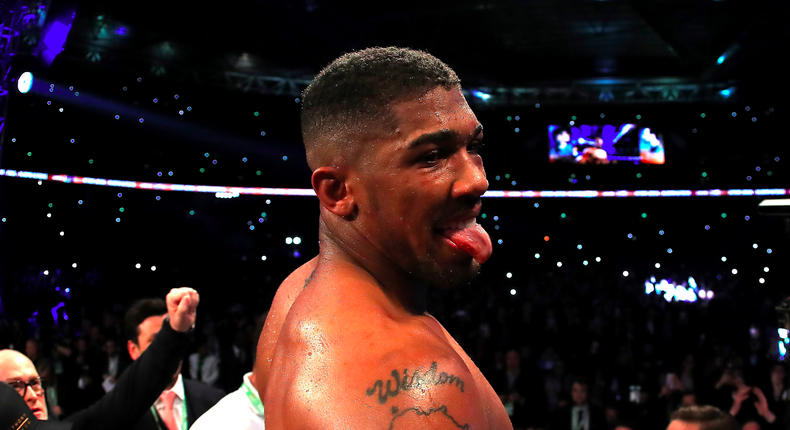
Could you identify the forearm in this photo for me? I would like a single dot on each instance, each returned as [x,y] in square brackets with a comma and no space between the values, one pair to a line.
[139,386]
[769,416]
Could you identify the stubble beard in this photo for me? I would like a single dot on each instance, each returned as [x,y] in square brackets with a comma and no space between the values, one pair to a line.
[446,277]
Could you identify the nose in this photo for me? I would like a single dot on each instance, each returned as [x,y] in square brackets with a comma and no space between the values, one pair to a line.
[30,392]
[470,177]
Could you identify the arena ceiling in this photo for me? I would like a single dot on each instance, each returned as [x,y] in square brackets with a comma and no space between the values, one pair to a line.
[488,42]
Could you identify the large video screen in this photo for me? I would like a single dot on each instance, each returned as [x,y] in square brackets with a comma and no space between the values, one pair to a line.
[605,144]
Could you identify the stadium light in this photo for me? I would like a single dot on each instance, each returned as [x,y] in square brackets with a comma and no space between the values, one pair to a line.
[25,82]
[481,95]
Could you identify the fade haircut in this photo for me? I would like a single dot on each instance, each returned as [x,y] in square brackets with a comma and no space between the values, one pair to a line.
[139,312]
[707,417]
[350,100]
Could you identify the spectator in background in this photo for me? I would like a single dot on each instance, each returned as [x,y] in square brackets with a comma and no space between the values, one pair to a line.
[204,365]
[555,382]
[112,365]
[513,387]
[88,363]
[688,376]
[701,418]
[746,396]
[580,414]
[243,408]
[239,358]
[672,393]
[33,351]
[778,395]
[52,392]
[183,401]
[17,370]
[689,399]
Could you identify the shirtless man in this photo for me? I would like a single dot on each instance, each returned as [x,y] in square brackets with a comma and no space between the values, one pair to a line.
[393,147]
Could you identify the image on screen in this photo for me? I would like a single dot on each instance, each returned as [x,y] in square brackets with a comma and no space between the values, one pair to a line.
[605,144]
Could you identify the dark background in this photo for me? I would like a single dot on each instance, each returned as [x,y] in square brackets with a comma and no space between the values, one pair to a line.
[571,53]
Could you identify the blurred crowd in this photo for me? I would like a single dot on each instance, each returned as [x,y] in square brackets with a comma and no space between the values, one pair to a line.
[562,350]
[80,358]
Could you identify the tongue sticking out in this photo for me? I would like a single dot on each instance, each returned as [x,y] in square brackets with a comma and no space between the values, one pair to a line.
[473,240]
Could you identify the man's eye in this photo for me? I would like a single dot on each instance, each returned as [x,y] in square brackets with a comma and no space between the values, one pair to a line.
[431,157]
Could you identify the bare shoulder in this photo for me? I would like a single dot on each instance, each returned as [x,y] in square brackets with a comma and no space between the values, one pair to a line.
[283,300]
[340,369]
[428,390]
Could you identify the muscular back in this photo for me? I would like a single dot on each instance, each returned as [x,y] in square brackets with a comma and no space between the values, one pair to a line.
[347,359]
[283,299]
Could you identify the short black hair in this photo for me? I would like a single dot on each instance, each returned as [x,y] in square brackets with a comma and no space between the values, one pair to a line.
[708,418]
[139,312]
[581,380]
[351,98]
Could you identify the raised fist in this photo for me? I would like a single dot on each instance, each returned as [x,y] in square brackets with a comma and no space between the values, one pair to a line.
[182,306]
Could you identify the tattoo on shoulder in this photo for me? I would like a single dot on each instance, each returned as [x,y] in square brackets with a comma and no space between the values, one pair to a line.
[405,382]
[419,412]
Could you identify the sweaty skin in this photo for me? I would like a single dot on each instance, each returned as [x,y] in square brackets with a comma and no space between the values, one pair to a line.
[283,299]
[357,349]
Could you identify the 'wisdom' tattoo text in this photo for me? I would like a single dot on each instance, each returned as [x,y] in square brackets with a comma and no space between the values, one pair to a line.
[417,379]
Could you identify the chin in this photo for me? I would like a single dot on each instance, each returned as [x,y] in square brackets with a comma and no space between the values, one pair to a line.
[454,276]
[40,415]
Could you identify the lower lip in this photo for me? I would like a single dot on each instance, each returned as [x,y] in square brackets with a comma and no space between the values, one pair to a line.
[450,243]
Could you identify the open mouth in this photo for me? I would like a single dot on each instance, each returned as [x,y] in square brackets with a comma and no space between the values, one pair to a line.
[457,225]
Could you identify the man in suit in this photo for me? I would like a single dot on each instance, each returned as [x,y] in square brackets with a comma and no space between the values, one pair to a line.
[580,414]
[183,401]
[113,363]
[139,385]
[521,392]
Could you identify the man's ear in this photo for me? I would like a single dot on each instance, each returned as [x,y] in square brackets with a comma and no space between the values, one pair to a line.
[134,350]
[329,183]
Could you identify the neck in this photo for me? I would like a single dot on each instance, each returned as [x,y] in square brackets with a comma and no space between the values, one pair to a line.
[356,258]
[172,384]
[175,378]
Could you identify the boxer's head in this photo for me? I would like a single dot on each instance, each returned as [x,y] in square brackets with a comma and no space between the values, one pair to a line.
[393,146]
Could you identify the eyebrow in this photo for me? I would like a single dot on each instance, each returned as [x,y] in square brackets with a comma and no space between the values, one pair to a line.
[441,136]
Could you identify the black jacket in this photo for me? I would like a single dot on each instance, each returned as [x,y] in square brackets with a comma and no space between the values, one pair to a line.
[199,397]
[563,417]
[138,387]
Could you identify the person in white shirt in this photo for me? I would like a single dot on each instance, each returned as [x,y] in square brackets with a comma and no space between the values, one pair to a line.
[241,409]
[204,365]
[112,365]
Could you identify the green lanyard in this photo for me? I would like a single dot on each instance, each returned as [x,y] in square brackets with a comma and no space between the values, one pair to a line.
[254,399]
[184,423]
